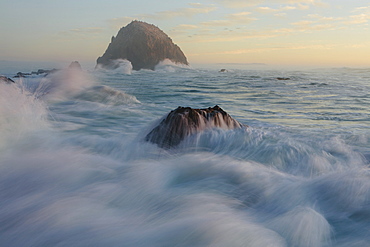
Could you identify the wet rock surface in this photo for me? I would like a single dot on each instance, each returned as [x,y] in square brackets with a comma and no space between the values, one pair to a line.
[184,121]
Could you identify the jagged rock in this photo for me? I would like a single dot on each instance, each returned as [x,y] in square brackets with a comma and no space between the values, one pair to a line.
[185,121]
[75,65]
[44,72]
[21,74]
[144,45]
[6,79]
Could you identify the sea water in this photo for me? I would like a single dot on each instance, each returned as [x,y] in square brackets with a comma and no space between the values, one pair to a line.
[75,169]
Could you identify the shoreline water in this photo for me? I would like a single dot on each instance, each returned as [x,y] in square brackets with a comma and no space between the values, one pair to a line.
[75,169]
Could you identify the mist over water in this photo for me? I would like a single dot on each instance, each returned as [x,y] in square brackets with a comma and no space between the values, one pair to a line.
[75,169]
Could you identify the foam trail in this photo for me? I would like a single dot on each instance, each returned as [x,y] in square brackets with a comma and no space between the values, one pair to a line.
[303,227]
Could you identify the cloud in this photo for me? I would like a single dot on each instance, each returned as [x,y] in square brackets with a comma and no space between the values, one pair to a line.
[266,10]
[359,19]
[269,49]
[119,22]
[82,33]
[324,18]
[230,20]
[248,3]
[241,17]
[239,3]
[187,26]
[303,23]
[196,8]
[280,15]
[217,23]
[364,8]
[362,16]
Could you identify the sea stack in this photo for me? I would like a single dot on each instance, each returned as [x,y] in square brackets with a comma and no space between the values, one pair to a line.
[184,121]
[144,45]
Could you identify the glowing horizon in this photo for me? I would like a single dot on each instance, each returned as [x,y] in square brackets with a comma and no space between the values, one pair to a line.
[274,32]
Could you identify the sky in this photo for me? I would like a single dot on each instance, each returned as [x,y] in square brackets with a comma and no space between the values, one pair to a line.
[274,32]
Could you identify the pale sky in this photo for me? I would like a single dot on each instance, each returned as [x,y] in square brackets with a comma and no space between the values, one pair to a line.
[274,32]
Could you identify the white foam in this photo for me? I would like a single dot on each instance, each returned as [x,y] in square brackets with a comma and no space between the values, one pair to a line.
[169,66]
[21,113]
[120,65]
[59,85]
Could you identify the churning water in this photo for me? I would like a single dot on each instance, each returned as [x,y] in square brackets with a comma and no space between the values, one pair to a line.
[75,169]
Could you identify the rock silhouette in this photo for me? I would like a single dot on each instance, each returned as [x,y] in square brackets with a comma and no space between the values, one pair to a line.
[184,121]
[75,65]
[144,45]
[44,72]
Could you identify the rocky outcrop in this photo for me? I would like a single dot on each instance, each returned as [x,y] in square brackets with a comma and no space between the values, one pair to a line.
[44,72]
[144,45]
[75,65]
[184,121]
[5,79]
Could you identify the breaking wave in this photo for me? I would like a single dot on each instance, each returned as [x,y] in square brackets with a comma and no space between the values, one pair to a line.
[119,65]
[107,95]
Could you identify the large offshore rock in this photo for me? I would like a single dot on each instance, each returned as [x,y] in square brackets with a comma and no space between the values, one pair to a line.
[185,121]
[144,45]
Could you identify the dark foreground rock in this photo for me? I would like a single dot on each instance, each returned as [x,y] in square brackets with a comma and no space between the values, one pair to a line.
[185,121]
[144,45]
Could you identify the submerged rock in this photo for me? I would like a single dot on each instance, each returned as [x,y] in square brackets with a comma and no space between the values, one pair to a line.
[144,45]
[185,121]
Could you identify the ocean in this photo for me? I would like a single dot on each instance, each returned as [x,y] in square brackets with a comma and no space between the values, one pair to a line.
[75,169]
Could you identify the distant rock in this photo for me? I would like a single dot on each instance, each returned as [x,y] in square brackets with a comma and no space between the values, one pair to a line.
[223,70]
[283,78]
[185,121]
[75,65]
[144,45]
[44,72]
[6,79]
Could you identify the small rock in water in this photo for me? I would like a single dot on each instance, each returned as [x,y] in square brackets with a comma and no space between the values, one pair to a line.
[185,121]
[283,78]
